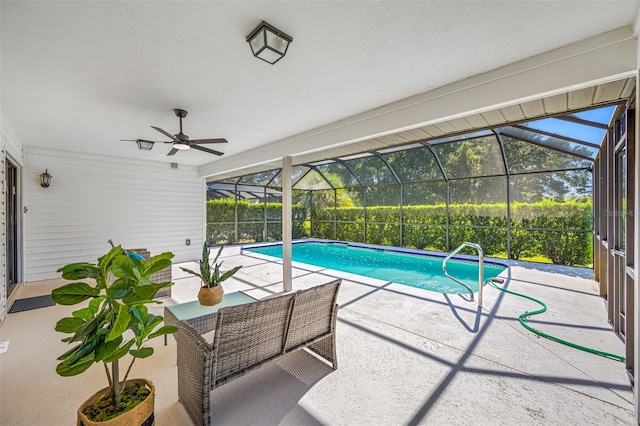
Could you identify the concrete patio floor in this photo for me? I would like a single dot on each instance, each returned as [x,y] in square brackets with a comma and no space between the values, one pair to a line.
[405,356]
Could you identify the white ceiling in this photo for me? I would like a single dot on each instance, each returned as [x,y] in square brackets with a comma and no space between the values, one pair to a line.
[79,76]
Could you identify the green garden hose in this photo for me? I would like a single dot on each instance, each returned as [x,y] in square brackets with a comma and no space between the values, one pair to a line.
[548,336]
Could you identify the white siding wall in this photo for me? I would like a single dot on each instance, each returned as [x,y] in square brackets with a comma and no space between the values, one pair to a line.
[93,199]
[9,146]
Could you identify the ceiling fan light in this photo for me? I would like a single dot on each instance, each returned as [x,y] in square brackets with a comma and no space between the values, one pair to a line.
[144,145]
[177,145]
[268,43]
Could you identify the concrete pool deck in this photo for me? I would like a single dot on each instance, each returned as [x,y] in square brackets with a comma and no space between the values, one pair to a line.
[405,356]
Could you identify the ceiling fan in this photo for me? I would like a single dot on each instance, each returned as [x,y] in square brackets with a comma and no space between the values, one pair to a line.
[180,141]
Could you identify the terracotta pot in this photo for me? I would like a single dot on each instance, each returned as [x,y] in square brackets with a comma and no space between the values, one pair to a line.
[142,414]
[210,296]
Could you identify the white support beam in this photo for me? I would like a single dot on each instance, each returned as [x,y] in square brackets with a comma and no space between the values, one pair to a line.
[287,274]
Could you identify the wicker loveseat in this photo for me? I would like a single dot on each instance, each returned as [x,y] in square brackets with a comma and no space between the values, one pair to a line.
[251,335]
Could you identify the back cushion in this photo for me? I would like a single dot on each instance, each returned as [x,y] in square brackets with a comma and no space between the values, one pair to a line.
[312,314]
[247,335]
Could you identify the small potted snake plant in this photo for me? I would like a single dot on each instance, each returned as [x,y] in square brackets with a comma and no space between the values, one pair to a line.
[211,291]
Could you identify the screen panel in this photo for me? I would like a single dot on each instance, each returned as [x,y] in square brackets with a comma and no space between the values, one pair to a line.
[371,170]
[415,165]
[524,157]
[471,158]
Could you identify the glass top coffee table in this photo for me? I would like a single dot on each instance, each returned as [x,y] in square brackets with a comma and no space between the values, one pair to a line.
[202,318]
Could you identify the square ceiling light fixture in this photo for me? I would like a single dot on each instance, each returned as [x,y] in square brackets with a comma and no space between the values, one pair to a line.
[268,43]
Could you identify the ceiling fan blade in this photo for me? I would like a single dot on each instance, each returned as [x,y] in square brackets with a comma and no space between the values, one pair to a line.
[173,151]
[201,141]
[203,149]
[164,132]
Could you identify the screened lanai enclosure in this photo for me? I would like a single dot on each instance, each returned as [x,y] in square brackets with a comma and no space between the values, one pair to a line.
[521,191]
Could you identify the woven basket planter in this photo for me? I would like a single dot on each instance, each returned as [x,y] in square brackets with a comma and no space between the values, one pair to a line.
[141,415]
[209,296]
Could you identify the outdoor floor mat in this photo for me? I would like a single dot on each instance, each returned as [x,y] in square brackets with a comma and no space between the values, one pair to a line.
[29,303]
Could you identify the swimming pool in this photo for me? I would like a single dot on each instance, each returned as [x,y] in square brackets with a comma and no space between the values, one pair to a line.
[408,267]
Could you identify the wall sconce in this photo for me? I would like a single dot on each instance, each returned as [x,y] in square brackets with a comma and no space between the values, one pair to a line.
[144,145]
[45,179]
[268,43]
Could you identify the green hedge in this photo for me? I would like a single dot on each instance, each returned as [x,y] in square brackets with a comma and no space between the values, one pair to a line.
[567,242]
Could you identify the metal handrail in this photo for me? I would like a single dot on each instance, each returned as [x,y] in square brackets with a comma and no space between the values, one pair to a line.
[480,269]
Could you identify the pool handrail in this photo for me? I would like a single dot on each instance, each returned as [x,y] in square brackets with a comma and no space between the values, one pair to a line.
[480,269]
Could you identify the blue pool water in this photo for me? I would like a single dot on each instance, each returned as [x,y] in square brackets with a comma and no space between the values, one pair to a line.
[404,268]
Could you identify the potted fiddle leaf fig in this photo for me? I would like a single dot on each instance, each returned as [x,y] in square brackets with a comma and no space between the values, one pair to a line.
[211,291]
[116,323]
